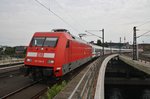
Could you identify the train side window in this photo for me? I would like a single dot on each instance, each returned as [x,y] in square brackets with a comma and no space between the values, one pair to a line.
[67,45]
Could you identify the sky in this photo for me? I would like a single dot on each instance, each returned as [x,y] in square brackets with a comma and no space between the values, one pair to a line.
[20,19]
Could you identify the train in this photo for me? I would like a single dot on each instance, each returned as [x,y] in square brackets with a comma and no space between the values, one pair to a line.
[56,53]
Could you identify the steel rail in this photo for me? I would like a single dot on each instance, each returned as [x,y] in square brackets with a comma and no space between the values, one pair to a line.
[18,90]
[4,62]
[8,67]
[39,94]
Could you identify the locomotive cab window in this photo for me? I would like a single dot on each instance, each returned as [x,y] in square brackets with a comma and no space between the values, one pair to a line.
[50,42]
[44,41]
[38,41]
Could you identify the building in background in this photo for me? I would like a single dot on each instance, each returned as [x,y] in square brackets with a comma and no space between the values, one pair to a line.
[145,47]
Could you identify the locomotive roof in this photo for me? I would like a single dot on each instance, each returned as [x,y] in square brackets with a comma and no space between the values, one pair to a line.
[67,34]
[60,30]
[51,34]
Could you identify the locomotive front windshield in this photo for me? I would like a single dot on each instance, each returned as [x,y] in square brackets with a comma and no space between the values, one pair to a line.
[44,41]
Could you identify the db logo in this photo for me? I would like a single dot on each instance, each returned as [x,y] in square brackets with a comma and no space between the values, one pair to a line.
[40,54]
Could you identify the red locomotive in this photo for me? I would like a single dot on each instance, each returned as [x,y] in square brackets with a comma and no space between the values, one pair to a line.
[56,53]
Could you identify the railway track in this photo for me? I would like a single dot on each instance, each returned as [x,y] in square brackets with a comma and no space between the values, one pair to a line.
[8,71]
[11,72]
[33,90]
[9,67]
[18,90]
[29,91]
[36,89]
[11,62]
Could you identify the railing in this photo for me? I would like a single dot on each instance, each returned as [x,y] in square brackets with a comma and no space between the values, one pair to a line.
[99,92]
[85,87]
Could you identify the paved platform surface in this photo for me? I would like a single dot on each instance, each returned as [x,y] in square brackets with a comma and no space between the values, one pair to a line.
[140,64]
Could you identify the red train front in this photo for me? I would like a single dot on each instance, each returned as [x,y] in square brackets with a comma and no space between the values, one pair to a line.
[55,53]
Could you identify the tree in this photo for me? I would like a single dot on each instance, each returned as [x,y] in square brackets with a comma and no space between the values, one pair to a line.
[9,51]
[99,43]
[106,44]
[92,42]
[1,51]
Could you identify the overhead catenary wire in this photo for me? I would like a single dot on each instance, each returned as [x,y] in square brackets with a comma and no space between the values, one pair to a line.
[93,34]
[143,23]
[68,14]
[56,15]
[143,34]
[146,35]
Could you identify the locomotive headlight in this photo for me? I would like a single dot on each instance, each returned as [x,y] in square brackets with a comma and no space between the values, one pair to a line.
[58,68]
[50,61]
[29,60]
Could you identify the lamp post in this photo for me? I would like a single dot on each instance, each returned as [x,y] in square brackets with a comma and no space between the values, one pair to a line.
[103,39]
[110,46]
[135,45]
[98,36]
[120,46]
[135,49]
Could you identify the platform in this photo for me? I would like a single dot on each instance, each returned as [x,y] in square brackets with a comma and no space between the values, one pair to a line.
[140,65]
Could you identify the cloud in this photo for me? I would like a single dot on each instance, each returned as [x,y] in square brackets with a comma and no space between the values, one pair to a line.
[21,18]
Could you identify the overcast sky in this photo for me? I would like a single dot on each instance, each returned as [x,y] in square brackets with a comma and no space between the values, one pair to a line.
[19,19]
